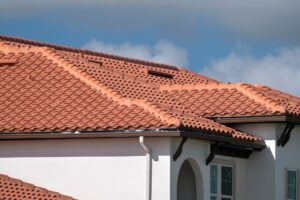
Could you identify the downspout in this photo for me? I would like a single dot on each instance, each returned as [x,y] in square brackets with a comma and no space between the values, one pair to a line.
[148,168]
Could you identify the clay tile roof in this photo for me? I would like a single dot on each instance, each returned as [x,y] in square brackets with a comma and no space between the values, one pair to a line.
[14,189]
[46,88]
[233,99]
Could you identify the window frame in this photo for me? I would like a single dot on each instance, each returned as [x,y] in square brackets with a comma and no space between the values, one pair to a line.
[286,183]
[220,164]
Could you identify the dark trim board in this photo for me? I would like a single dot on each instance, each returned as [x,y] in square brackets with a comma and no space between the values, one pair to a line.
[233,151]
[195,134]
[88,134]
[257,145]
[257,119]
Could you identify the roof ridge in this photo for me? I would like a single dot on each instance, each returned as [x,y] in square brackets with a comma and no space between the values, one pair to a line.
[78,50]
[32,186]
[247,89]
[277,92]
[261,98]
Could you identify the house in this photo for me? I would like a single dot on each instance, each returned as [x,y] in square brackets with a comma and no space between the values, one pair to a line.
[96,126]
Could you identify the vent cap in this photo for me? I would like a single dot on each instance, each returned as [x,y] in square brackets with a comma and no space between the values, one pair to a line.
[160,74]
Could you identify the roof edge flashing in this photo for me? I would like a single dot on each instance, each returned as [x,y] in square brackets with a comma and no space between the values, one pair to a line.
[256,119]
[90,134]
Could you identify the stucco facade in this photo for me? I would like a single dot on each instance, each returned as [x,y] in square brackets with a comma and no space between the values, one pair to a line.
[111,169]
[89,169]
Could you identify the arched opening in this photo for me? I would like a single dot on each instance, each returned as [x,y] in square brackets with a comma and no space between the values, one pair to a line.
[186,184]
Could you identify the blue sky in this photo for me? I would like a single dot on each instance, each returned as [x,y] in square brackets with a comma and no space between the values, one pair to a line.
[254,41]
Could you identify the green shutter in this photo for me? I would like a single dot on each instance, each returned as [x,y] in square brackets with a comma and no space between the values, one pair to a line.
[213,179]
[226,181]
[291,185]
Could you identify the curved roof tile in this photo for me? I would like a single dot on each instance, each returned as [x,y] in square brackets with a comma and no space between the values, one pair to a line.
[53,88]
[15,189]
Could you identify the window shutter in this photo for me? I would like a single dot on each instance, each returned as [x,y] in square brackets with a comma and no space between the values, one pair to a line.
[285,183]
[298,184]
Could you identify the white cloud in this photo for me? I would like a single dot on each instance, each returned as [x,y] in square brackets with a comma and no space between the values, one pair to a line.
[163,51]
[279,70]
[264,19]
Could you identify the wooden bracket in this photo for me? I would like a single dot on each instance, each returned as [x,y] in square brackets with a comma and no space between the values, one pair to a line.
[285,135]
[212,153]
[179,149]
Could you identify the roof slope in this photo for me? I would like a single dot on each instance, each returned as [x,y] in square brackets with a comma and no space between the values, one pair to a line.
[14,189]
[53,88]
[233,99]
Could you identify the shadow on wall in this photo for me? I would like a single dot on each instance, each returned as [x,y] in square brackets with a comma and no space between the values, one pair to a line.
[78,148]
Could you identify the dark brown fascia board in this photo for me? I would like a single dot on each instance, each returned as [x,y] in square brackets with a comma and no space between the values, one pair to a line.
[257,145]
[61,135]
[257,119]
[212,137]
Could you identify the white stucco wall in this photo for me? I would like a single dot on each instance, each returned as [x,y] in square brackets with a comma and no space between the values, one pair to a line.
[286,157]
[260,180]
[111,169]
[260,177]
[89,169]
[266,169]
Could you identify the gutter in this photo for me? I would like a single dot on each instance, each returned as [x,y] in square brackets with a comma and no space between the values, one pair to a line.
[256,119]
[133,133]
[89,134]
[148,168]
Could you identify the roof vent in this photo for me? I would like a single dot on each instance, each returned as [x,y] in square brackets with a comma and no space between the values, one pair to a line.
[160,74]
[96,62]
[7,62]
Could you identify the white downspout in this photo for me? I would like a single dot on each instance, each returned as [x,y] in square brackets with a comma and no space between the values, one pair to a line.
[148,168]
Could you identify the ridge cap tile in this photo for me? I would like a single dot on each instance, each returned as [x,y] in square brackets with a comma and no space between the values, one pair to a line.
[66,48]
[51,54]
[247,89]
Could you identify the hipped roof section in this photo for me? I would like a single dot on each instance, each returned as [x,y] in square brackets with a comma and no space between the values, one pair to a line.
[234,99]
[48,88]
[15,189]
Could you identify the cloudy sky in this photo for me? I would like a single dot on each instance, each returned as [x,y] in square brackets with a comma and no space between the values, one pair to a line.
[255,41]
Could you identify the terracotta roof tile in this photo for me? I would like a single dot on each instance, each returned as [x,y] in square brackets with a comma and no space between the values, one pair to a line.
[289,102]
[14,189]
[232,99]
[52,98]
[54,88]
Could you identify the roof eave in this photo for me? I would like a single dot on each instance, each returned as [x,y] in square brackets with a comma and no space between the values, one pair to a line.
[253,144]
[198,134]
[89,134]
